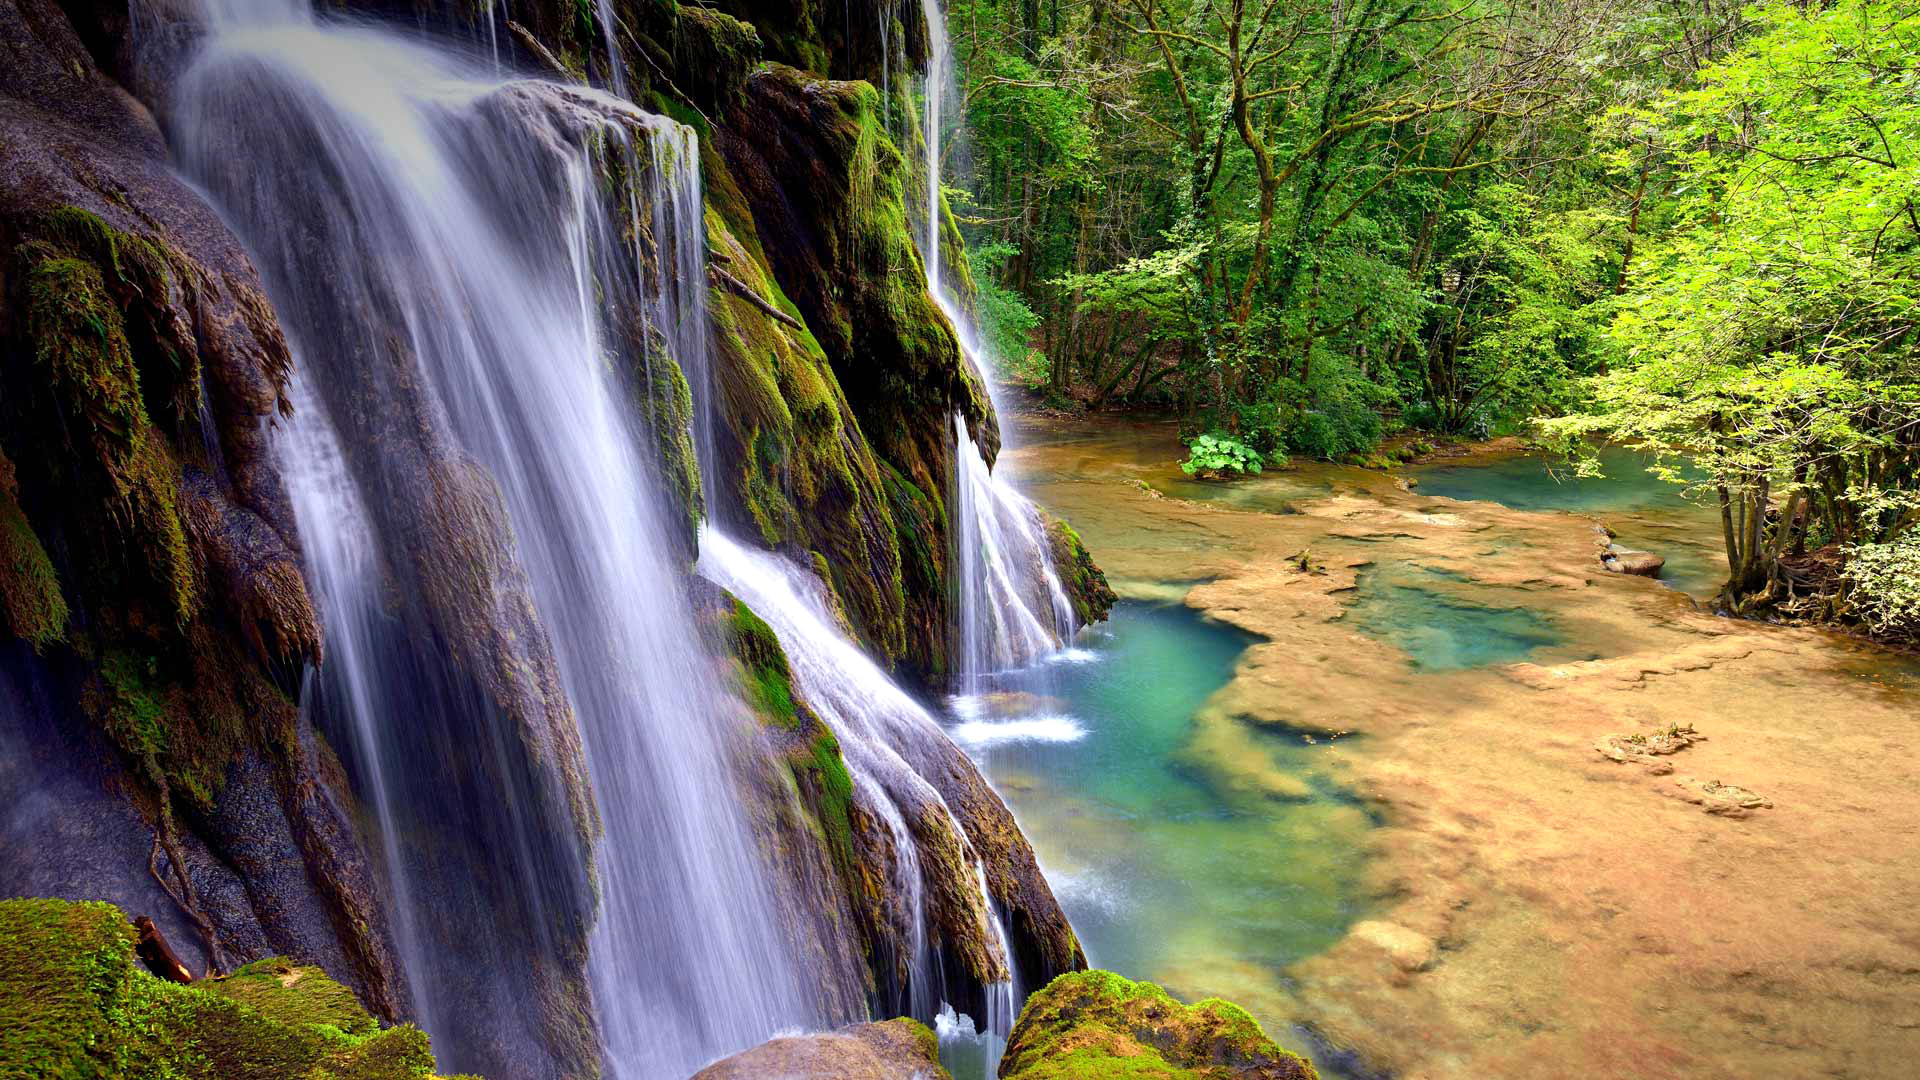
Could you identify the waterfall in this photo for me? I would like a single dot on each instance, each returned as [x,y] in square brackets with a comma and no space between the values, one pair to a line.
[487,538]
[1009,606]
[885,737]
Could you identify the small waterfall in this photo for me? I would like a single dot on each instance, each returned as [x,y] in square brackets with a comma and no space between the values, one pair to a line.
[883,732]
[1010,609]
[488,541]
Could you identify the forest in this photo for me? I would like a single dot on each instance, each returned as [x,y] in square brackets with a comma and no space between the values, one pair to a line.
[1679,225]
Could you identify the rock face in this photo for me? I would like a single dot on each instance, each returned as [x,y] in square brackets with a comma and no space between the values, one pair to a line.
[834,839]
[891,1050]
[74,1002]
[148,564]
[1095,1024]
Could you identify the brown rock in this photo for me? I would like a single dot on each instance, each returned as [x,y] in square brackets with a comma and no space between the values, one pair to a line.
[885,1051]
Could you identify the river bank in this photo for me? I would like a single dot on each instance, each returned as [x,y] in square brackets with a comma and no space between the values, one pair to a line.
[1745,906]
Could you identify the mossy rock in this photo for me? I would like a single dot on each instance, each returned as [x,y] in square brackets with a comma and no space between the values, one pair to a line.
[76,1004]
[1086,583]
[32,606]
[769,681]
[1095,1025]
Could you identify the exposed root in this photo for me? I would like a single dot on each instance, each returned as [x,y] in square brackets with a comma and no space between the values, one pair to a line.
[180,891]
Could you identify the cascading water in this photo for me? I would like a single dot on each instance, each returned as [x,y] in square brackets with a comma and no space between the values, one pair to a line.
[885,736]
[1009,606]
[488,541]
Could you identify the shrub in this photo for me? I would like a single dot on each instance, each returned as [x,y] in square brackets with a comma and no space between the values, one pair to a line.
[1884,584]
[1219,454]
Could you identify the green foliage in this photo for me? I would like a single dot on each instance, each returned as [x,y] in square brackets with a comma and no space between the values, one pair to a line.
[1007,324]
[1884,585]
[1773,337]
[1217,454]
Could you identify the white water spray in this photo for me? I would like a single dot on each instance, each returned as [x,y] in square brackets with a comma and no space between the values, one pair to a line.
[432,238]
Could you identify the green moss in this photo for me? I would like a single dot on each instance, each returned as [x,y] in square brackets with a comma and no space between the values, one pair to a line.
[80,342]
[1085,583]
[76,1005]
[32,606]
[82,279]
[180,745]
[835,792]
[769,679]
[670,417]
[1096,1025]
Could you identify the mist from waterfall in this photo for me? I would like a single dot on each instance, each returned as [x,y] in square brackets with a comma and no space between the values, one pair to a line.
[472,332]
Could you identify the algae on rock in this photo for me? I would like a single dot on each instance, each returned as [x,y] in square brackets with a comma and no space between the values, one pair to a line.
[1095,1025]
[75,1002]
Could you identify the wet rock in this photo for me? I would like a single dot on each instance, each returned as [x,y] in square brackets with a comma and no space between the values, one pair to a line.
[1624,560]
[1646,747]
[1094,1024]
[825,191]
[884,1051]
[141,495]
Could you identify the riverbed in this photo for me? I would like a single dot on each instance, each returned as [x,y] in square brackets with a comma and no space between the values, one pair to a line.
[1335,758]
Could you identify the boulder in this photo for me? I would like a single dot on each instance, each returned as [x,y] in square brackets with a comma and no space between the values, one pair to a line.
[1624,560]
[73,1002]
[884,1051]
[1094,1024]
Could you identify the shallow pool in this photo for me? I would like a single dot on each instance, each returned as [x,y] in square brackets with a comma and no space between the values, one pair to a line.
[1166,874]
[1644,510]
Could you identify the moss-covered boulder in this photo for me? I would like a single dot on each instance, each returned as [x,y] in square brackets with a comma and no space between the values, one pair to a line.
[1095,1025]
[75,1002]
[1086,583]
[884,1051]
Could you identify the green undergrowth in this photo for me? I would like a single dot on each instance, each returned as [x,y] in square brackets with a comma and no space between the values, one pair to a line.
[76,1004]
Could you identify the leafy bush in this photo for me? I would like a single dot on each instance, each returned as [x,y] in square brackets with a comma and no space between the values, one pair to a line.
[1338,425]
[1216,453]
[1006,321]
[1885,584]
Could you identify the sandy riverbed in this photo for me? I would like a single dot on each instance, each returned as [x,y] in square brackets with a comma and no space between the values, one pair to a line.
[1536,909]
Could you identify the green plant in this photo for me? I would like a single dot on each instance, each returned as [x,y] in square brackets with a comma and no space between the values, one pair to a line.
[1219,454]
[1884,584]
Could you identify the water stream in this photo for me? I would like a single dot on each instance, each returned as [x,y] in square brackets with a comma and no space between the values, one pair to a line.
[882,732]
[489,544]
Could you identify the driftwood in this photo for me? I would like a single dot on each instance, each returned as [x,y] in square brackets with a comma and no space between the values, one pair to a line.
[153,950]
[746,292]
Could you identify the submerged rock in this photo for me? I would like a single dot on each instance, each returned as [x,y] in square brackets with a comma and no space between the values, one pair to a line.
[884,1051]
[1094,1024]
